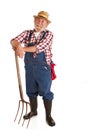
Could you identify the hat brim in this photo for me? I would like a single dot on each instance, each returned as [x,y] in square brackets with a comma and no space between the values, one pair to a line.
[42,17]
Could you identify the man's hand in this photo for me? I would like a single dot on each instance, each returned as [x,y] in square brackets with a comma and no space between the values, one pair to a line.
[14,44]
[19,51]
[17,48]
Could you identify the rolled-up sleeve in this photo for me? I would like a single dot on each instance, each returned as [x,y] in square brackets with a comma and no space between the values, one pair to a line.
[21,37]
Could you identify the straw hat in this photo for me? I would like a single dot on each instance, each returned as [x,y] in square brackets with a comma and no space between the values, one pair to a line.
[43,14]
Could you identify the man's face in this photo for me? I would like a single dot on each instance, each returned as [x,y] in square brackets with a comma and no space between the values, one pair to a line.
[40,23]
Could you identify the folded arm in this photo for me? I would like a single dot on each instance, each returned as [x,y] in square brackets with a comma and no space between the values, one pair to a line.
[17,47]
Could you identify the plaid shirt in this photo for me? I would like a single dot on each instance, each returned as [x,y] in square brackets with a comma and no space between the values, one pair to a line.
[44,45]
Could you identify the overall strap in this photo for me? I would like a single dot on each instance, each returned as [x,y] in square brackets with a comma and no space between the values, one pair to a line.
[31,32]
[29,38]
[43,36]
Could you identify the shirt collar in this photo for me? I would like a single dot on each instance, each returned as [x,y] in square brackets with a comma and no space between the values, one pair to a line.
[40,32]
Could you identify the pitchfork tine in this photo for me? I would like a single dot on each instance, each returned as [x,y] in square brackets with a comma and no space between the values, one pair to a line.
[21,112]
[25,113]
[17,111]
[28,122]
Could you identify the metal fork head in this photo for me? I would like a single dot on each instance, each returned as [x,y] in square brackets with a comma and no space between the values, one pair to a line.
[23,105]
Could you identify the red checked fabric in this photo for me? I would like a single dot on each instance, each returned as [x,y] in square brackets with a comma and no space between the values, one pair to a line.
[45,44]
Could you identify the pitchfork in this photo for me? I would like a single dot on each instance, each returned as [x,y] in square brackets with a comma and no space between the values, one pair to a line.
[21,101]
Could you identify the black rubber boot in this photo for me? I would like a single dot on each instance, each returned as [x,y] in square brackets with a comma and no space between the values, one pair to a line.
[33,106]
[48,106]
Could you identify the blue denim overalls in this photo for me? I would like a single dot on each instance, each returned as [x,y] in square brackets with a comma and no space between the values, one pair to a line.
[38,75]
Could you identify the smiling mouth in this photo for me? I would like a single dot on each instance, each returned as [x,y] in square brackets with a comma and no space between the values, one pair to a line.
[38,26]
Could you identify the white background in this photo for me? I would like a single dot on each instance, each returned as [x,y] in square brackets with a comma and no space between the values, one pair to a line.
[69,25]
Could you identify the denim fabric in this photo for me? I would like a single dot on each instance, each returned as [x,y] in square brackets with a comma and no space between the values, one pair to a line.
[38,76]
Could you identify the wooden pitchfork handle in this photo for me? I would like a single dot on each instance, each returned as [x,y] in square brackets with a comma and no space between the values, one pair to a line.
[19,78]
